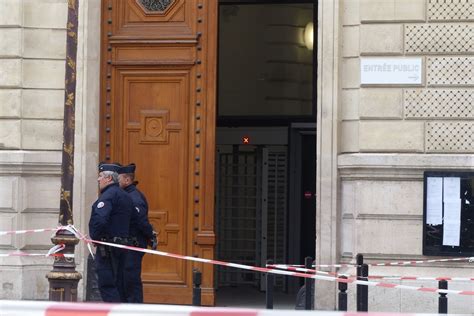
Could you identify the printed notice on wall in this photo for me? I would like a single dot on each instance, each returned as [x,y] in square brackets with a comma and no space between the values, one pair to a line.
[452,223]
[452,188]
[434,201]
[452,211]
[448,213]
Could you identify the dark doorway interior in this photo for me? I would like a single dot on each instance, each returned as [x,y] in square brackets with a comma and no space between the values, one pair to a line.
[308,198]
[266,145]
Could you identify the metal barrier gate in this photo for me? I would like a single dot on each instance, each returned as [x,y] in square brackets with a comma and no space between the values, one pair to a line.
[251,210]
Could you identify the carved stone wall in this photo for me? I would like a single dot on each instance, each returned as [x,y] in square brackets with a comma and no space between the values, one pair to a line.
[439,38]
[450,71]
[443,104]
[391,134]
[32,63]
[455,10]
[439,32]
[450,136]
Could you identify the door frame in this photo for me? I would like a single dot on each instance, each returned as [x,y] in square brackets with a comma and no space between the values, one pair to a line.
[296,132]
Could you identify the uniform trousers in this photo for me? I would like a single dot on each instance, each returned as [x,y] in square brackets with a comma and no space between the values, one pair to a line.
[110,274]
[133,278]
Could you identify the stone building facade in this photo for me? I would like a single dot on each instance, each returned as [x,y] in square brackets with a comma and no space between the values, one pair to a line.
[390,135]
[373,141]
[32,68]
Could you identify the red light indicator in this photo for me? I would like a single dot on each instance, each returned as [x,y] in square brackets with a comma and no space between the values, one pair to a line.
[245,140]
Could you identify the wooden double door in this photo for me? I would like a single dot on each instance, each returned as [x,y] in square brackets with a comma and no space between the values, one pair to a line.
[158,86]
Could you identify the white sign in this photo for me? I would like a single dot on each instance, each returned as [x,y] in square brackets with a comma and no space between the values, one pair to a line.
[391,70]
[452,223]
[434,201]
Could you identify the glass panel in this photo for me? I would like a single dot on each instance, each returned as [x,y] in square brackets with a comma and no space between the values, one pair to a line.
[265,67]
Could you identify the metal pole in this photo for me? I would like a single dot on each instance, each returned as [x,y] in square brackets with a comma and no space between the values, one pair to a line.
[308,284]
[443,299]
[365,289]
[342,302]
[269,288]
[63,279]
[359,261]
[197,279]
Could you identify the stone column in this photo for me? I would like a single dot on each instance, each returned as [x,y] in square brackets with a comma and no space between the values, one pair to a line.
[327,146]
[64,278]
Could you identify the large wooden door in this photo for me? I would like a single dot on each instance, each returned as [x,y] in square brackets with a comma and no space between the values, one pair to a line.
[158,110]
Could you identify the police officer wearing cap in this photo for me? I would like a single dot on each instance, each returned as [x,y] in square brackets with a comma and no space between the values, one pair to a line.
[141,232]
[110,221]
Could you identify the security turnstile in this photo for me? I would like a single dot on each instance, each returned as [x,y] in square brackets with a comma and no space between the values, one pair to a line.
[251,210]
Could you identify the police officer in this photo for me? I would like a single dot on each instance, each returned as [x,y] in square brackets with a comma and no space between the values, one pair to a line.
[141,232]
[110,221]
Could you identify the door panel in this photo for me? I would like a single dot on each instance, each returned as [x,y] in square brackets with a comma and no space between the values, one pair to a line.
[158,110]
[177,20]
[154,109]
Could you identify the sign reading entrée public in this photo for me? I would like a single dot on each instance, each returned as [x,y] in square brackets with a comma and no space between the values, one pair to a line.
[403,71]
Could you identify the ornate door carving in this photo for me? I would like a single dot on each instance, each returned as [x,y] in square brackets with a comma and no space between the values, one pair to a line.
[158,110]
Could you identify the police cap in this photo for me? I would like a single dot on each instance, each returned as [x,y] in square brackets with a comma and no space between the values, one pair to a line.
[108,167]
[127,169]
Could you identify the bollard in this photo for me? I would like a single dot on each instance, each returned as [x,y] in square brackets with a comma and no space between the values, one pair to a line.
[342,301]
[308,284]
[269,288]
[365,288]
[443,299]
[359,262]
[197,278]
[362,290]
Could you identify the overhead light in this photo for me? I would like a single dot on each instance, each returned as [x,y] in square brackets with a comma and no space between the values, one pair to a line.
[308,35]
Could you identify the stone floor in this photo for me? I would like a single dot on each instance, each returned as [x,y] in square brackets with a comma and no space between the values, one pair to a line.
[247,296]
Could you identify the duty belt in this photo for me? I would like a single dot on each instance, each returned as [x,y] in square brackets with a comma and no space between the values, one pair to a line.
[118,240]
[127,241]
[134,241]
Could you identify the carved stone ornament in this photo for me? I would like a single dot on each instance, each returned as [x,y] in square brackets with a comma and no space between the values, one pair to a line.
[155,5]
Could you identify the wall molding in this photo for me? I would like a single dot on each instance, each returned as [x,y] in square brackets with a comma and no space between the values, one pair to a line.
[399,167]
[30,162]
[383,217]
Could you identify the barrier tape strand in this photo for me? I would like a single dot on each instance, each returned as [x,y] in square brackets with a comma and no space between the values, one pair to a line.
[275,269]
[27,231]
[374,277]
[282,272]
[53,252]
[380,264]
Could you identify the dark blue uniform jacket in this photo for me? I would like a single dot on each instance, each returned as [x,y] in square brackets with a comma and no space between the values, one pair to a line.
[139,225]
[111,214]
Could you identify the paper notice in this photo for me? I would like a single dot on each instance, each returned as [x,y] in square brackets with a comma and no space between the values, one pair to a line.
[452,188]
[452,222]
[434,201]
[452,210]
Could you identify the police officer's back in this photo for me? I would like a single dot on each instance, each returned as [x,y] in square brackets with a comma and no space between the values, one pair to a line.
[110,221]
[141,232]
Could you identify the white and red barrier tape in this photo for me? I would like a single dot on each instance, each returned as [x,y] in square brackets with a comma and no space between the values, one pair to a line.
[36,308]
[53,252]
[27,231]
[374,277]
[380,264]
[283,272]
[275,269]
[25,254]
[384,277]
